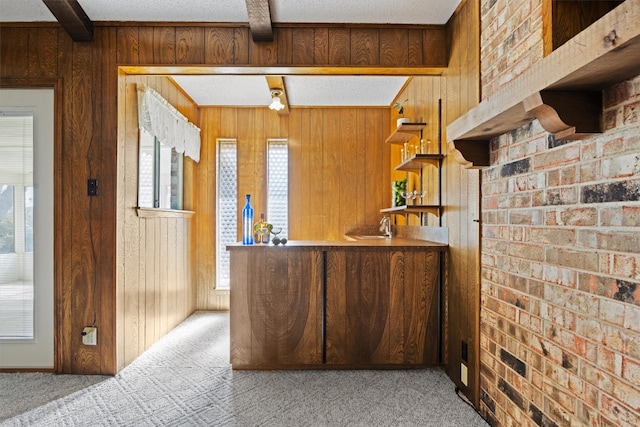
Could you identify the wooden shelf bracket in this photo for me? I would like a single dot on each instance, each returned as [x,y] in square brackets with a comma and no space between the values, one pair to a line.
[567,114]
[470,154]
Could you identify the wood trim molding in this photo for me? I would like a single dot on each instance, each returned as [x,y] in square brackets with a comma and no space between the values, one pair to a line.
[72,18]
[163,213]
[260,20]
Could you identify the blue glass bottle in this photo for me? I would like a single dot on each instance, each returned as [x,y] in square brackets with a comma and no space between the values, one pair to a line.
[247,222]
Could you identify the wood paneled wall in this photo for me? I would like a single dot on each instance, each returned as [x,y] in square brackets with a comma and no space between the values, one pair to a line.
[153,270]
[86,253]
[85,236]
[459,90]
[421,95]
[86,249]
[301,45]
[338,174]
[461,198]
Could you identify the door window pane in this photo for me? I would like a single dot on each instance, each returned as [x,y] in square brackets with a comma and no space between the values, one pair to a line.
[16,225]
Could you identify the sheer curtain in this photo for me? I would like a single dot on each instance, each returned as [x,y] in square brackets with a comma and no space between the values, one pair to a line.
[162,120]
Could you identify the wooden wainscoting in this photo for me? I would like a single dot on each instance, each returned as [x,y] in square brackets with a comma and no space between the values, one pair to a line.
[154,287]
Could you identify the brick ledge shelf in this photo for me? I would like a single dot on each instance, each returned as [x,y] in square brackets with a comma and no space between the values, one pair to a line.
[560,90]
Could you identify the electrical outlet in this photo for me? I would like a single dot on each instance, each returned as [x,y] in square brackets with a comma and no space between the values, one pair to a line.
[92,187]
[464,374]
[90,336]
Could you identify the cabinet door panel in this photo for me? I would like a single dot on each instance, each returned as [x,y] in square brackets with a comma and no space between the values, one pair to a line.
[382,308]
[357,305]
[421,300]
[278,300]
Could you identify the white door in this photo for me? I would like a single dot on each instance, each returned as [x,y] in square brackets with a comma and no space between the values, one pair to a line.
[26,228]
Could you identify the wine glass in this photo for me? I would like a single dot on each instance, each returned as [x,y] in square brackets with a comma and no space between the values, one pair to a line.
[276,230]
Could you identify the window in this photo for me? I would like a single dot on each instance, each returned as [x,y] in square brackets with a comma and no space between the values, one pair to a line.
[278,185]
[16,225]
[227,214]
[159,174]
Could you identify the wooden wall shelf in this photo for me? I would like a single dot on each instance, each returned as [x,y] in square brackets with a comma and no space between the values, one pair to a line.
[413,209]
[554,89]
[405,132]
[417,161]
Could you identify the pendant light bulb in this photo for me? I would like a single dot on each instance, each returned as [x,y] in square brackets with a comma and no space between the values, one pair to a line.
[276,103]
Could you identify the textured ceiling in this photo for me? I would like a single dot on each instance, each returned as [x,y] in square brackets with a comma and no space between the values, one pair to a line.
[320,11]
[252,90]
[302,91]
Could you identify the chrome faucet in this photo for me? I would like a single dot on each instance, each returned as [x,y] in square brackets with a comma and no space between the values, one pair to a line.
[385,226]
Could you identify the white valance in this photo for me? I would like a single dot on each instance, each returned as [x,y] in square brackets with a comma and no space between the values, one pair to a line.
[162,120]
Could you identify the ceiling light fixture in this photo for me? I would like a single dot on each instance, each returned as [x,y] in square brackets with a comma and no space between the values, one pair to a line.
[276,103]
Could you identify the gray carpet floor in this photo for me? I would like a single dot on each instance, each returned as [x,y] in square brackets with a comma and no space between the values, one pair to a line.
[185,380]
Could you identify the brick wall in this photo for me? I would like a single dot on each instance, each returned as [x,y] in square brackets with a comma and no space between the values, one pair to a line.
[560,317]
[510,41]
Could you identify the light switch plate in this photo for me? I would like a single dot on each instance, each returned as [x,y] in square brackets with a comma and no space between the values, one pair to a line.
[90,336]
[464,374]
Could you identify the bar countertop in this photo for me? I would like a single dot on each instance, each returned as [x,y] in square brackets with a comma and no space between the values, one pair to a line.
[355,242]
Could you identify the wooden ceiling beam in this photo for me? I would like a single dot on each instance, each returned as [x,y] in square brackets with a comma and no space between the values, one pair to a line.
[260,20]
[72,18]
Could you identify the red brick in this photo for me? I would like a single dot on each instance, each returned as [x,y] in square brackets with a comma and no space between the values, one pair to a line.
[613,146]
[589,150]
[589,328]
[627,394]
[611,119]
[569,175]
[612,311]
[589,171]
[620,241]
[622,166]
[631,371]
[582,303]
[562,276]
[557,157]
[631,113]
[582,260]
[610,361]
[620,414]
[553,236]
[563,398]
[578,216]
[632,318]
[561,196]
[527,251]
[617,94]
[614,338]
